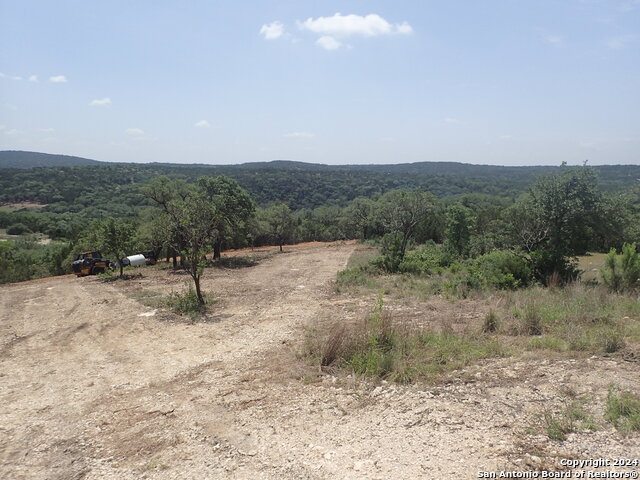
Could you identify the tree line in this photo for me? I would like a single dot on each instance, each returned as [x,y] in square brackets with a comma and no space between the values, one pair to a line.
[561,215]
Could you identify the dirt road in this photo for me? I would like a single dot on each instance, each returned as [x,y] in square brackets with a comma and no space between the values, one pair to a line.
[95,385]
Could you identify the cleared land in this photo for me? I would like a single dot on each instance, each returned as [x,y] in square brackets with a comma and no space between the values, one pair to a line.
[96,385]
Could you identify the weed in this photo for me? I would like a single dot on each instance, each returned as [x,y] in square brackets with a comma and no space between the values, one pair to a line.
[187,303]
[572,418]
[623,410]
[490,324]
[155,464]
[532,320]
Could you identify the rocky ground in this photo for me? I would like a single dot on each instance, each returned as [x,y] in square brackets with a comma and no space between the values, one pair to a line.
[96,385]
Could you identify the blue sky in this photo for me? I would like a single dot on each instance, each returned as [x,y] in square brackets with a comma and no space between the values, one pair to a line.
[493,82]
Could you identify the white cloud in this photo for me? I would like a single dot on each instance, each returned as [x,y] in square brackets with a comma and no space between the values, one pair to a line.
[47,130]
[100,102]
[619,42]
[506,137]
[33,78]
[134,131]
[328,43]
[58,79]
[272,31]
[299,135]
[2,127]
[451,120]
[12,132]
[346,25]
[404,28]
[12,77]
[202,124]
[553,39]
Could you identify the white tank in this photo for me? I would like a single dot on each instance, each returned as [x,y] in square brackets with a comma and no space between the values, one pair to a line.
[135,260]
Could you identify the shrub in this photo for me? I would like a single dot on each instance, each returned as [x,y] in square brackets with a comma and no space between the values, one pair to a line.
[18,229]
[392,253]
[430,258]
[504,270]
[622,274]
[186,303]
[501,270]
[546,264]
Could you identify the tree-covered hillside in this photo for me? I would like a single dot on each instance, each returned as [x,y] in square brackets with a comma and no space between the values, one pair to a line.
[299,185]
[19,159]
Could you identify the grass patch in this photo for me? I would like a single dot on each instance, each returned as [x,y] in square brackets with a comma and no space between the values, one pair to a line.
[623,410]
[240,261]
[149,298]
[576,318]
[571,419]
[360,275]
[382,348]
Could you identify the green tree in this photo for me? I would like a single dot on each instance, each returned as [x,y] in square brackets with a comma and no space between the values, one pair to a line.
[569,205]
[459,229]
[198,216]
[360,218]
[558,220]
[115,238]
[400,211]
[233,207]
[281,224]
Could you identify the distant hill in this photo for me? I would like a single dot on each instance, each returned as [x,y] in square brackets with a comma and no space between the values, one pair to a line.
[19,159]
[68,183]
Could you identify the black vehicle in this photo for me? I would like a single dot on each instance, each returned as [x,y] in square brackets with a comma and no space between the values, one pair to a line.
[89,263]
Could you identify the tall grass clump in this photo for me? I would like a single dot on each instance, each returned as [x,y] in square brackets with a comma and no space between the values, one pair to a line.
[623,410]
[490,324]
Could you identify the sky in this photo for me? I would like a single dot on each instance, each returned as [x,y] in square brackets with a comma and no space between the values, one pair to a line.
[508,82]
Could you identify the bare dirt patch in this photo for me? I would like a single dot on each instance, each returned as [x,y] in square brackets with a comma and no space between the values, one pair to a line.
[94,384]
[21,205]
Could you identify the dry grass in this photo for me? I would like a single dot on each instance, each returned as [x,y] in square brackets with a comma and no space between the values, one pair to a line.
[420,335]
[383,346]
